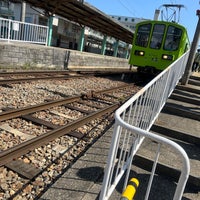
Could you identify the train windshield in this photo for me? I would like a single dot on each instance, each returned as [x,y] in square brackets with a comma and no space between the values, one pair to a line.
[143,34]
[157,36]
[173,38]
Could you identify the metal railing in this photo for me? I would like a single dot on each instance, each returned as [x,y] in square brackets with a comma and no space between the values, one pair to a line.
[133,121]
[11,30]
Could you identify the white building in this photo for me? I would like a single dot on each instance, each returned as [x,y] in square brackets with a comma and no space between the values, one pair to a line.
[129,22]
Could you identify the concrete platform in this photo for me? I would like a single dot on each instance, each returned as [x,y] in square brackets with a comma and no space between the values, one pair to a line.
[83,180]
[20,56]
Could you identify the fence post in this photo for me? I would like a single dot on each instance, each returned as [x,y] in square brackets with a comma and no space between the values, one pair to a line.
[9,29]
[47,32]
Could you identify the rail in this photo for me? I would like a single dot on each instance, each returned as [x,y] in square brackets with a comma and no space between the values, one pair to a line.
[133,121]
[11,30]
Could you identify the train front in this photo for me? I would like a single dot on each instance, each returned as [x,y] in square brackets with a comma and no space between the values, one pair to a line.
[157,44]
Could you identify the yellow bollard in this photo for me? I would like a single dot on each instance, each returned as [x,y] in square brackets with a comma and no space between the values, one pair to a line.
[130,190]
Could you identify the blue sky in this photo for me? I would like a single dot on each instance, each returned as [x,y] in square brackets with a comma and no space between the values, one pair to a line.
[145,9]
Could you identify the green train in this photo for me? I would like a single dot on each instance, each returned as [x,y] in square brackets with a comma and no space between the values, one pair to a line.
[156,44]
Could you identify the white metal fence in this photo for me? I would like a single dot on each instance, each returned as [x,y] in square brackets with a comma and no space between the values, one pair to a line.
[11,30]
[133,121]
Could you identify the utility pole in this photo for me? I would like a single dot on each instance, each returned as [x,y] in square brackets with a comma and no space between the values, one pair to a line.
[156,14]
[192,53]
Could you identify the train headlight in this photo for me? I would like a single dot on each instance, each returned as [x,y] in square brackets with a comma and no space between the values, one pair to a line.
[139,53]
[167,57]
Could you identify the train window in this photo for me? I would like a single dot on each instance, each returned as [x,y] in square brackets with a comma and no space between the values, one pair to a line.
[173,38]
[143,34]
[157,36]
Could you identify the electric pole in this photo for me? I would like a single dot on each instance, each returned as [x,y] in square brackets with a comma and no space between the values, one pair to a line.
[192,53]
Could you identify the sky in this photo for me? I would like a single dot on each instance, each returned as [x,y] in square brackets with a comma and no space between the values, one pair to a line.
[146,8]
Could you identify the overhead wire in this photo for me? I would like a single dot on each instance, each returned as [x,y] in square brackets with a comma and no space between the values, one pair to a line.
[126,7]
[130,6]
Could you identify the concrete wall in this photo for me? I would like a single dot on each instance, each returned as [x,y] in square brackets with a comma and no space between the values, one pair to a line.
[25,56]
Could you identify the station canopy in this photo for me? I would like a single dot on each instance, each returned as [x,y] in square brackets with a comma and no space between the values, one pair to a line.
[85,15]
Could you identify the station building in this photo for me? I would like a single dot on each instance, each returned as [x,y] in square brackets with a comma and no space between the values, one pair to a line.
[66,34]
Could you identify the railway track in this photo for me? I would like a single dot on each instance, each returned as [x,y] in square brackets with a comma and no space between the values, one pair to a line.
[27,114]
[66,127]
[29,76]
